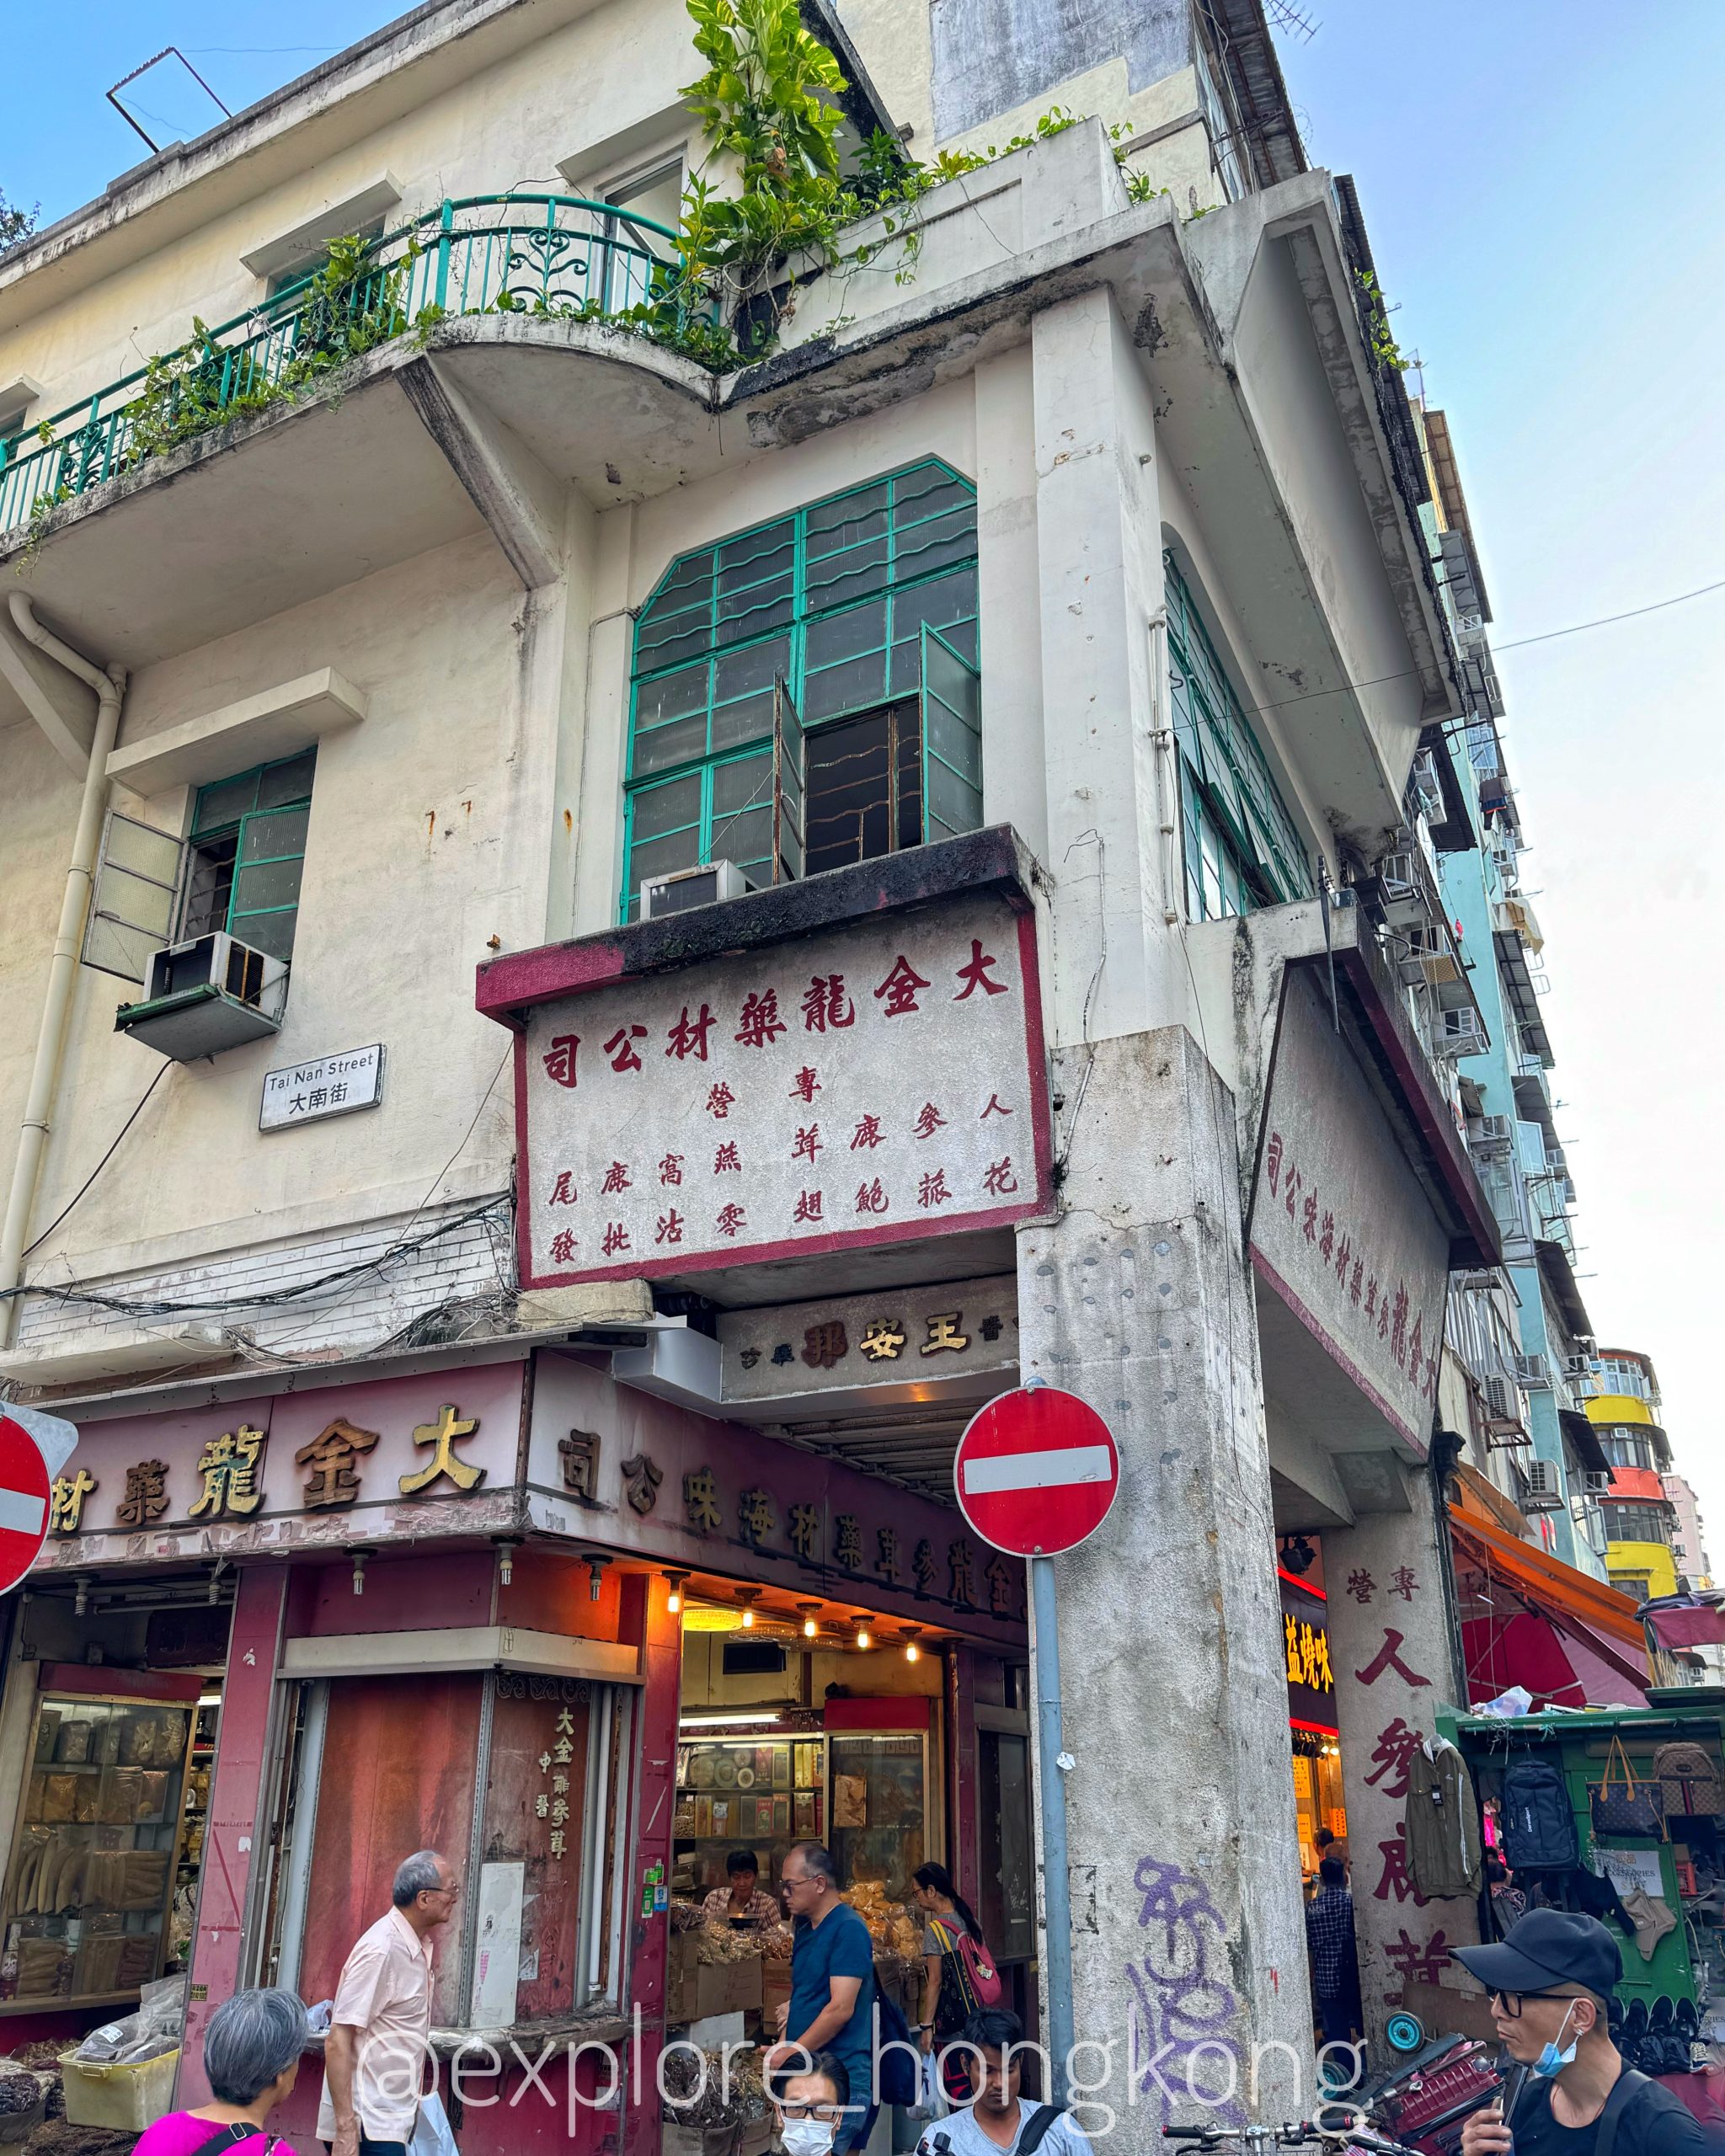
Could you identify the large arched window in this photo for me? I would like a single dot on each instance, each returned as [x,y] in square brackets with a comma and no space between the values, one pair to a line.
[1242,849]
[806,693]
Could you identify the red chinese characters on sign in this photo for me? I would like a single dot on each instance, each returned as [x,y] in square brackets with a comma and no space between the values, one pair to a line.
[1388,1308]
[559,1059]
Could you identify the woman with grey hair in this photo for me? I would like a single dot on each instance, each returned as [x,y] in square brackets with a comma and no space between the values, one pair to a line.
[251,2052]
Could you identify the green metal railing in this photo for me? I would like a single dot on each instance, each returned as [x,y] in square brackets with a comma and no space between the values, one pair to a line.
[553,254]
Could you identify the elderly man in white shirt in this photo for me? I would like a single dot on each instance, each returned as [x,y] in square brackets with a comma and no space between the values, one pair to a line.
[380,2028]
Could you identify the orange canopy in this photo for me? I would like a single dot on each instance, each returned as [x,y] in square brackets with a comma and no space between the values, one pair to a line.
[1555,1586]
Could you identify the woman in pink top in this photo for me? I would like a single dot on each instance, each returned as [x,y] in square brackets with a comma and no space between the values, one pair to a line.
[251,2060]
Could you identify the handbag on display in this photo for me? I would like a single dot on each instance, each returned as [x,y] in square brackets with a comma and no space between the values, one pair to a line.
[1690,1778]
[1621,1804]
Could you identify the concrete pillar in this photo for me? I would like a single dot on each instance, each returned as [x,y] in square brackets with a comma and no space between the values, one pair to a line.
[1189,1943]
[1116,967]
[1393,1659]
[232,1826]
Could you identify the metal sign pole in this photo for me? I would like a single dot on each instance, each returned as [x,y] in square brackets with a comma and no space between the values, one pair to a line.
[1051,1766]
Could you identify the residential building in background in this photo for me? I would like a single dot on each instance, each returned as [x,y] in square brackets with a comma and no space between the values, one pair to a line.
[610,939]
[1641,1519]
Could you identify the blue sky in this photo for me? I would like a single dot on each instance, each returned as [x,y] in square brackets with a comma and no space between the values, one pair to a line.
[1544,204]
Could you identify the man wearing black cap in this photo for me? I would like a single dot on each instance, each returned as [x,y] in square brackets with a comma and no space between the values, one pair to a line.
[1550,1983]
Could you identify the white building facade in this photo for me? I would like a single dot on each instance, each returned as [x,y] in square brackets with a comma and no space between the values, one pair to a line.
[1049,605]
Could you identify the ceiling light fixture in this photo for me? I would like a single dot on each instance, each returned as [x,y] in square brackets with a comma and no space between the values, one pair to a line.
[811,1612]
[673,1600]
[748,1596]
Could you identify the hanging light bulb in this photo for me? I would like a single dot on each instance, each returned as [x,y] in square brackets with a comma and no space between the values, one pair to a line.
[361,1556]
[865,1638]
[673,1600]
[505,1561]
[748,1596]
[811,1611]
[912,1651]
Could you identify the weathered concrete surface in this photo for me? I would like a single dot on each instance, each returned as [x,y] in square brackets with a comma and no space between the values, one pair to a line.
[1391,1647]
[1185,1871]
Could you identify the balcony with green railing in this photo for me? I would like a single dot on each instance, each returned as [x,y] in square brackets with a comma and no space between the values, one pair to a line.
[550,256]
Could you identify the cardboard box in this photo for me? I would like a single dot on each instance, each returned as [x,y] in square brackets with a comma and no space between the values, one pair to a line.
[695,1990]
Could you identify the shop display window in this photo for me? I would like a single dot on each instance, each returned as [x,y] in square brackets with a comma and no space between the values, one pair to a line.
[879,1810]
[99,1850]
[762,1792]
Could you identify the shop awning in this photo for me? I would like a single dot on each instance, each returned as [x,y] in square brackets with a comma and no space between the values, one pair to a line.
[1702,1626]
[1593,1616]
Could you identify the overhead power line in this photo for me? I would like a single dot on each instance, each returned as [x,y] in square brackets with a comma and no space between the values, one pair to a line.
[1515,643]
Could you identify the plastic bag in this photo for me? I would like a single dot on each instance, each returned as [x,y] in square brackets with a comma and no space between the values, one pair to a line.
[432,2133]
[931,2097]
[154,2029]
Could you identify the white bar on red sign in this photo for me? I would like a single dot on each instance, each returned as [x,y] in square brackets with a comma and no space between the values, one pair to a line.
[22,1513]
[1038,1470]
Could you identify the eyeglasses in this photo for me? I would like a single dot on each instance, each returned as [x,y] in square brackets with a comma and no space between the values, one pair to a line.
[1512,2002]
[829,2112]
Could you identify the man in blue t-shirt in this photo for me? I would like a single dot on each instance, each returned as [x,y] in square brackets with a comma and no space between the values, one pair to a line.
[831,2005]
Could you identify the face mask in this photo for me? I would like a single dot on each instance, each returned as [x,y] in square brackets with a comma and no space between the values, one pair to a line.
[808,2137]
[1550,2061]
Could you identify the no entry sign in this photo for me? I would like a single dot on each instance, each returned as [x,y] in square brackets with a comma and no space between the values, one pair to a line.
[1036,1471]
[24,1502]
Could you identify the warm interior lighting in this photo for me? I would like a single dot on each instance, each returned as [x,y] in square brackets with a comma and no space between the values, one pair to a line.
[912,1651]
[811,1611]
[748,1596]
[706,1617]
[865,1638]
[716,1721]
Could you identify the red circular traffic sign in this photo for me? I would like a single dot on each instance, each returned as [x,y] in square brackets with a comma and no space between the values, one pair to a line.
[24,1502]
[1036,1471]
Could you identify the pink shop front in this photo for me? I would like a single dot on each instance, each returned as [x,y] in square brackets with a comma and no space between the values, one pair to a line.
[448,1607]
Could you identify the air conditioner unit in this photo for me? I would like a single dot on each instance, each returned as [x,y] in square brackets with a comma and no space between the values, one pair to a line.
[1578,1366]
[1544,1486]
[1463,1033]
[1501,1403]
[704,886]
[1597,1482]
[1531,1372]
[201,997]
[1494,1130]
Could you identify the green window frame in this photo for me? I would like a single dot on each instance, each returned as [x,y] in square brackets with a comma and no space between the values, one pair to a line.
[247,850]
[1242,849]
[851,602]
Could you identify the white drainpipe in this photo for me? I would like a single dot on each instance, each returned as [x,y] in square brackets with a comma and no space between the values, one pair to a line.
[110,685]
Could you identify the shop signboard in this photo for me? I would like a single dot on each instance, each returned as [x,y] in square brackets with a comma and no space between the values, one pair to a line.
[1341,1228]
[868,1084]
[913,1343]
[1305,1641]
[398,1457]
[614,1465]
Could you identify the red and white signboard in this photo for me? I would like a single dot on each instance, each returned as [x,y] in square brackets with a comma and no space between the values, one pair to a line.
[1036,1471]
[872,1084]
[24,1502]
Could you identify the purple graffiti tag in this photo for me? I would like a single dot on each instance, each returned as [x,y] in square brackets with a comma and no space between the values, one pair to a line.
[1185,1999]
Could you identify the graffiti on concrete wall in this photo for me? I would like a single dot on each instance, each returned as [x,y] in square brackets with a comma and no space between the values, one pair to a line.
[1185,2009]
